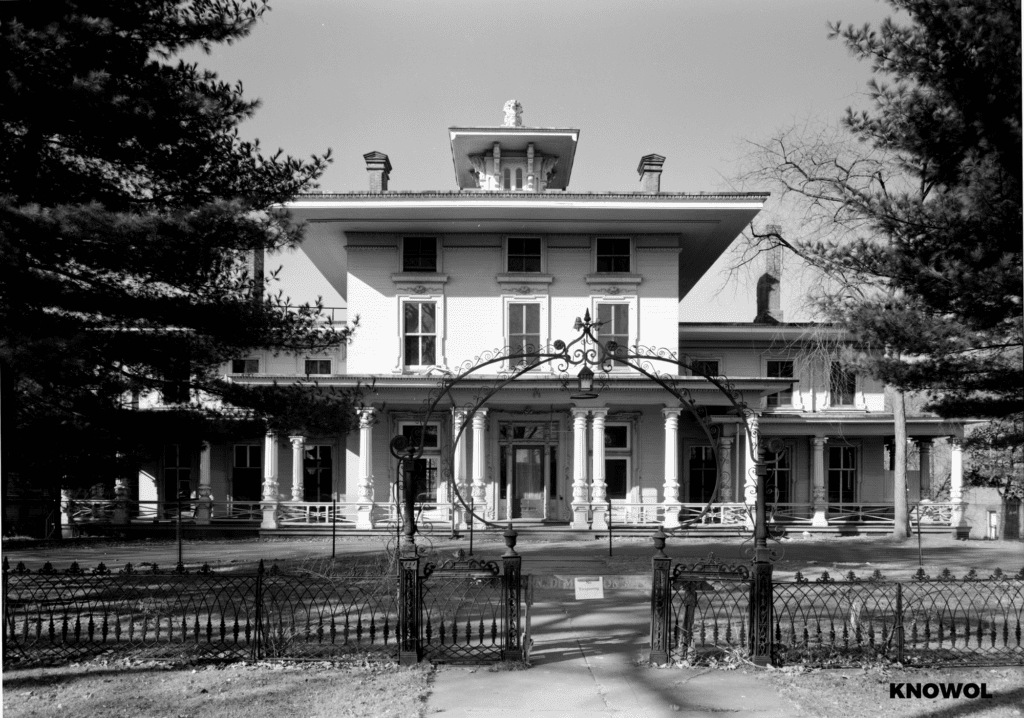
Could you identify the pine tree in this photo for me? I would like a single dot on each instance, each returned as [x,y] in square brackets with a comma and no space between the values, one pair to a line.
[130,210]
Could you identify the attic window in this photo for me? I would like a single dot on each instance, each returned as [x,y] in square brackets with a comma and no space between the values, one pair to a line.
[613,254]
[419,254]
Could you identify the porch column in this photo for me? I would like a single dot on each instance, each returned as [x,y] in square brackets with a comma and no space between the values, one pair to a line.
[725,468]
[67,514]
[364,482]
[204,505]
[579,469]
[958,518]
[819,498]
[459,469]
[480,465]
[671,487]
[121,501]
[270,483]
[924,452]
[599,492]
[750,466]
[298,475]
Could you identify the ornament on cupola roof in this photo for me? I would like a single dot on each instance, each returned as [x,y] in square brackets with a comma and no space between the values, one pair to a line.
[513,114]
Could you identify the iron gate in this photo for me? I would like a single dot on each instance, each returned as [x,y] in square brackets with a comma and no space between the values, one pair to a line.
[702,606]
[463,610]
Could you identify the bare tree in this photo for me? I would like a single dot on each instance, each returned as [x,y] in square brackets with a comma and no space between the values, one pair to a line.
[826,190]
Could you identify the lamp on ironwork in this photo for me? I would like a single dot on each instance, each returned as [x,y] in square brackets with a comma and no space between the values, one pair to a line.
[586,384]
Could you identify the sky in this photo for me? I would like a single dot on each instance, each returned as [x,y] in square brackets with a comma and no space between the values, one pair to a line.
[692,80]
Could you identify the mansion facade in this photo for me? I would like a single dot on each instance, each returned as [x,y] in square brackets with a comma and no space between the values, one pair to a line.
[510,259]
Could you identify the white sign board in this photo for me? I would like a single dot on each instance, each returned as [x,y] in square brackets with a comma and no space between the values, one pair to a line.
[589,587]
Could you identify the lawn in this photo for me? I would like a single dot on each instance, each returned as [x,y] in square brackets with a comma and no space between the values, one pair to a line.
[102,689]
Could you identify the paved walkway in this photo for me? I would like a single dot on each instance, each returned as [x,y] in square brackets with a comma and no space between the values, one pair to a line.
[589,661]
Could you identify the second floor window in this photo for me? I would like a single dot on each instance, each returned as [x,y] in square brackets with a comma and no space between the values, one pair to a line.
[524,254]
[842,385]
[614,319]
[780,369]
[704,367]
[612,254]
[419,254]
[245,366]
[523,328]
[317,366]
[420,333]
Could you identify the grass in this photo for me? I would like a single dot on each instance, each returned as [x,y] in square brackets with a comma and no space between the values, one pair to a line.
[109,689]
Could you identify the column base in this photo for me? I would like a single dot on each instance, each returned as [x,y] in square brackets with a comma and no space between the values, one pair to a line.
[580,520]
[204,511]
[120,517]
[671,520]
[820,516]
[364,517]
[269,516]
[600,522]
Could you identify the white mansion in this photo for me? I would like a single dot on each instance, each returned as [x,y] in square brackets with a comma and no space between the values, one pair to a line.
[511,258]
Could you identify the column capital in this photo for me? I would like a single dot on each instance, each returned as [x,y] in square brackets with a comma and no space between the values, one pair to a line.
[366,416]
[672,411]
[601,413]
[819,441]
[923,442]
[725,441]
[479,418]
[297,441]
[578,413]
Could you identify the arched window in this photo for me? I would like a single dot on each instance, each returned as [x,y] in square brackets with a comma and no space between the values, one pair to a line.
[519,178]
[508,179]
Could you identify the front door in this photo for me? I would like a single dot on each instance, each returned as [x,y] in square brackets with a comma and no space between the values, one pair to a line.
[527,482]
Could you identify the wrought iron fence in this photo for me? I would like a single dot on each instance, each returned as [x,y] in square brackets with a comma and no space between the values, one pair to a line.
[51,615]
[704,608]
[926,620]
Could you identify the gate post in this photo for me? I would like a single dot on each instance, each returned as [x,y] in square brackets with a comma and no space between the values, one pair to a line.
[761,604]
[512,565]
[661,601]
[410,606]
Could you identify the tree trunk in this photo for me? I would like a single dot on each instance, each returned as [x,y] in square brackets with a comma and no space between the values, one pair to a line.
[901,523]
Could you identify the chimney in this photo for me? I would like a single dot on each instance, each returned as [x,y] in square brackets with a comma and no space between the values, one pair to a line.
[769,286]
[379,167]
[255,269]
[650,173]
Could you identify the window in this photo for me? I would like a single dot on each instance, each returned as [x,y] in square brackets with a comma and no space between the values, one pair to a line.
[524,254]
[703,471]
[317,366]
[704,367]
[616,462]
[614,319]
[523,329]
[842,474]
[245,366]
[177,472]
[317,469]
[419,254]
[842,385]
[780,370]
[612,254]
[245,477]
[616,436]
[420,333]
[506,175]
[412,432]
[519,179]
[778,476]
